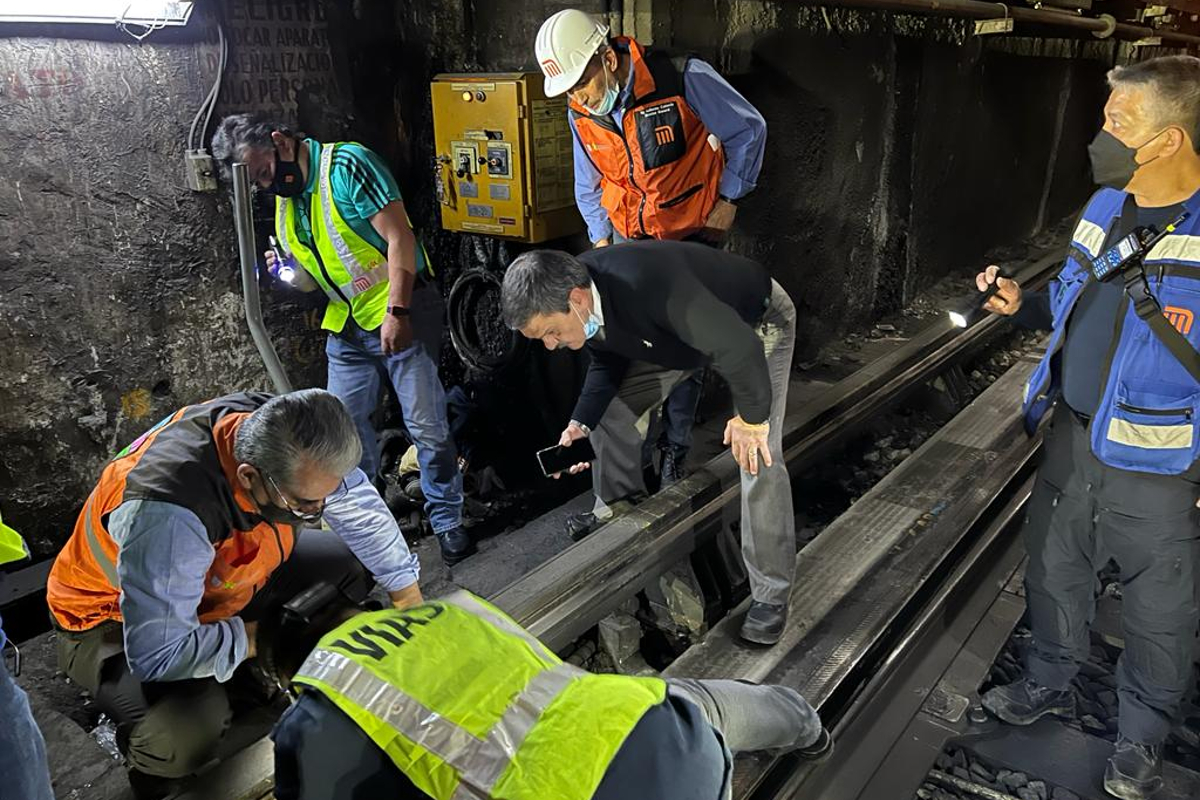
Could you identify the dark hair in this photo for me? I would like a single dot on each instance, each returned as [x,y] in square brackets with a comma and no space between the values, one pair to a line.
[240,132]
[1174,84]
[308,426]
[539,282]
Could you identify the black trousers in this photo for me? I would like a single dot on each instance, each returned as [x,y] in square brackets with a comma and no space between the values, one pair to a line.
[1083,513]
[171,729]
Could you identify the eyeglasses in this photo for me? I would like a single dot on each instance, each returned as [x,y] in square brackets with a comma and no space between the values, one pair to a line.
[308,516]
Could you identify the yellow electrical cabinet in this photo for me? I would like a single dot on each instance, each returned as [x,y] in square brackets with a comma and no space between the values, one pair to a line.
[503,157]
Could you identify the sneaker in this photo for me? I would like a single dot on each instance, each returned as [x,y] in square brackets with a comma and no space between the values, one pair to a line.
[456,545]
[1134,771]
[764,623]
[1025,702]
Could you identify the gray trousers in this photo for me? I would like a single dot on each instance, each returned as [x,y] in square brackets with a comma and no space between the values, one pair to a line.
[1081,514]
[768,524]
[751,717]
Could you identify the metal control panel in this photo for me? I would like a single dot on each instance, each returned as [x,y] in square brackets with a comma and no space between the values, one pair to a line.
[503,157]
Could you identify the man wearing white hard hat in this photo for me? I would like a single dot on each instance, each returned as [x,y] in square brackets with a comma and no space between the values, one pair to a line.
[664,148]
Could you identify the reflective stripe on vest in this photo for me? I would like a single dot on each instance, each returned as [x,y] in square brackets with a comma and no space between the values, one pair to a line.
[1149,409]
[360,280]
[354,266]
[102,560]
[488,761]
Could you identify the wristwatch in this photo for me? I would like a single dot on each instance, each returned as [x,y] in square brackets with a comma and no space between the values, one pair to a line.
[729,200]
[398,311]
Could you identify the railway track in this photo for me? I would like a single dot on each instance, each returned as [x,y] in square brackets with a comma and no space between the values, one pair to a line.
[563,598]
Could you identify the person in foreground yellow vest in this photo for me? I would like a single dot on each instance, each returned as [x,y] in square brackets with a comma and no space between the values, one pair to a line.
[23,769]
[452,699]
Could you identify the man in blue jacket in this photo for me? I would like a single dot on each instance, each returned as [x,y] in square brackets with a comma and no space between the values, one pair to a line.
[1119,479]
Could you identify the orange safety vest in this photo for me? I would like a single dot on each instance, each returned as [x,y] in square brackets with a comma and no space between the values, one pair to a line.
[187,459]
[659,173]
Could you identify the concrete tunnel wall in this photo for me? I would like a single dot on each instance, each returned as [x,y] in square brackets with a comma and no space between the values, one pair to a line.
[898,150]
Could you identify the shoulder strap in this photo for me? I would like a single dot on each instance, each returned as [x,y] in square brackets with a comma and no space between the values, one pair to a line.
[1146,306]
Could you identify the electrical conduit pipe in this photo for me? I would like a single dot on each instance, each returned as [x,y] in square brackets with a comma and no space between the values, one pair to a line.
[977,9]
[244,221]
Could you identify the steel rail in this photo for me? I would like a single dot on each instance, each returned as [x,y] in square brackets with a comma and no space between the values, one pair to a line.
[562,598]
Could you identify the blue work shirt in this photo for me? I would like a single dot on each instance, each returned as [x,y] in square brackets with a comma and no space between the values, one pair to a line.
[164,558]
[361,185]
[722,109]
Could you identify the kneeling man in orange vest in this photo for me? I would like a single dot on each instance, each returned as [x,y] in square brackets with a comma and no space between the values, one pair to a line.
[203,526]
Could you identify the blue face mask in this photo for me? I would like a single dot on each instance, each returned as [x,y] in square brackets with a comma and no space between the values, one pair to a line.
[591,325]
[611,92]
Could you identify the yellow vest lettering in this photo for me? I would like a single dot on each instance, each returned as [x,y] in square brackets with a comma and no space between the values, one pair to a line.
[401,625]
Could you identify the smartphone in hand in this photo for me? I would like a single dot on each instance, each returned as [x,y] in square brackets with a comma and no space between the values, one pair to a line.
[560,459]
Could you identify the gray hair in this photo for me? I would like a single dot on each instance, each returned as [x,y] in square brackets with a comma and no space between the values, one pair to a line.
[309,426]
[1174,85]
[539,282]
[238,133]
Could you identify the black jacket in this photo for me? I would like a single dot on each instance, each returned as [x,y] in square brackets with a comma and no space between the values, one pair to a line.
[677,305]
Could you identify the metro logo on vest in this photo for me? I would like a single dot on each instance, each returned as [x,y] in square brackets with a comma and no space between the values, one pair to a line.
[660,134]
[1180,318]
[1148,417]
[659,167]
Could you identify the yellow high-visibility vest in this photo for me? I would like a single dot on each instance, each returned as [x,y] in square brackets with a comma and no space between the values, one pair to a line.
[351,271]
[12,546]
[469,705]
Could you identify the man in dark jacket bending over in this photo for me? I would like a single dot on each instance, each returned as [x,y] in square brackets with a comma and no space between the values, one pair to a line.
[650,314]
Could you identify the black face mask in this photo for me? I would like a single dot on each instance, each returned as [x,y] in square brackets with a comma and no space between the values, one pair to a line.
[1113,161]
[281,516]
[289,178]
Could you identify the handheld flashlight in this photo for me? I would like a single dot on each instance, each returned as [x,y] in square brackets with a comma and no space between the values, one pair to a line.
[283,266]
[971,309]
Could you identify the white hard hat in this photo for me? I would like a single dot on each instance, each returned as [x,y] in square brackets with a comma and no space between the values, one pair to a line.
[565,44]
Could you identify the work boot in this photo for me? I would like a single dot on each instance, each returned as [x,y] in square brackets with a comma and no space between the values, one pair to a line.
[764,623]
[580,525]
[456,545]
[1134,771]
[1024,702]
[674,457]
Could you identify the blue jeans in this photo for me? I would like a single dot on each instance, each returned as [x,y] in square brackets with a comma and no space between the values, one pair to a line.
[357,368]
[22,749]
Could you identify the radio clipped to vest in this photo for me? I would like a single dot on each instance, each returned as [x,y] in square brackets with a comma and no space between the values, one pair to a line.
[1125,258]
[1127,254]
